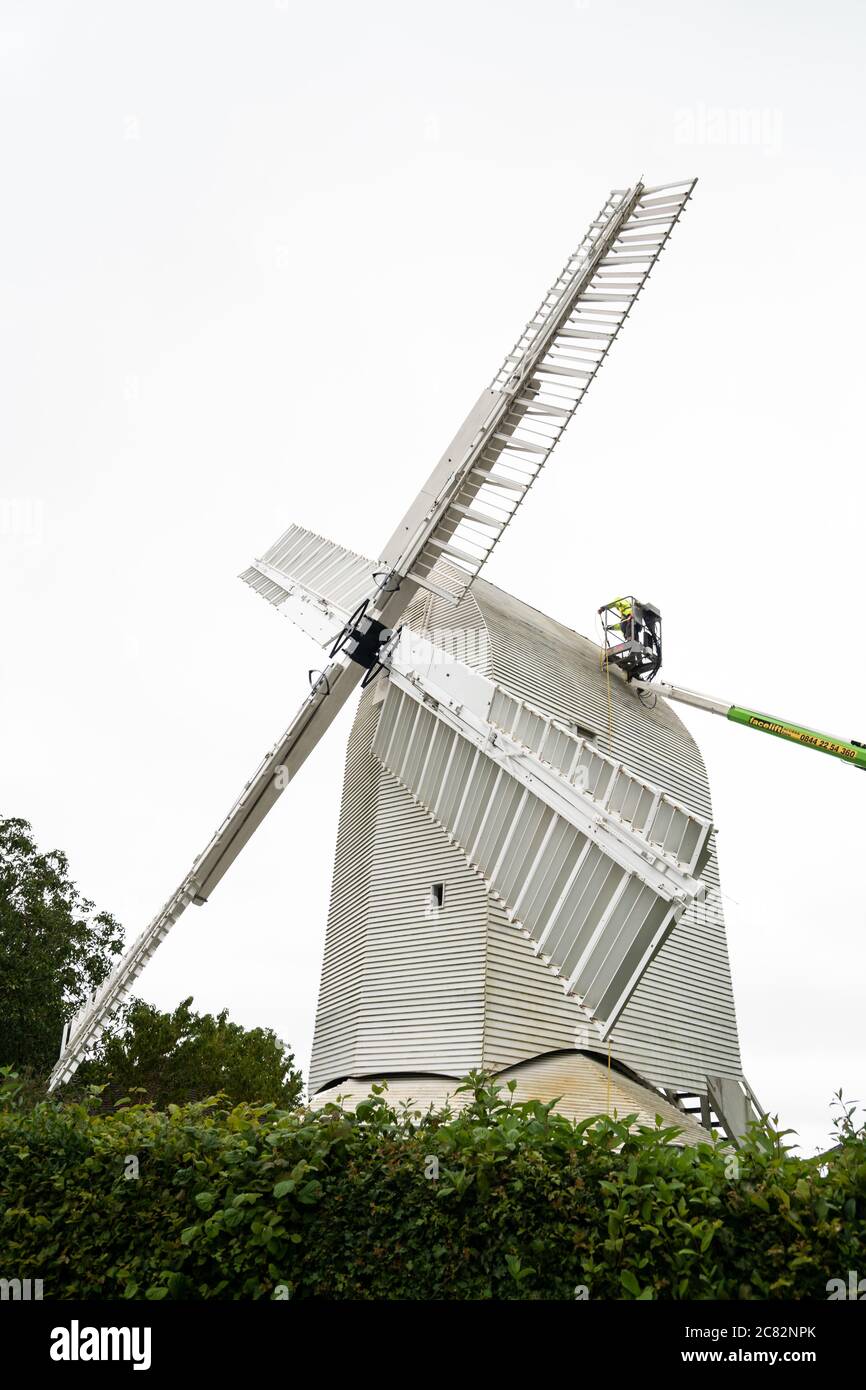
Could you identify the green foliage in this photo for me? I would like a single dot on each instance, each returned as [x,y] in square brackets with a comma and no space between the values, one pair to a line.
[501,1200]
[55,948]
[185,1056]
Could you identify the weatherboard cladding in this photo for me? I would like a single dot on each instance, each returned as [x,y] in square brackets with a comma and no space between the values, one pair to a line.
[402,985]
[403,991]
[557,884]
[342,979]
[423,997]
[680,1024]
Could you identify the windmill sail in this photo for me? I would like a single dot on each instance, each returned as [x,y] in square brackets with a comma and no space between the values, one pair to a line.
[497,454]
[313,581]
[593,861]
[474,491]
[258,796]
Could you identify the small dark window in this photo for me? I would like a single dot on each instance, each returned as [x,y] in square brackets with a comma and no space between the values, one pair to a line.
[437,895]
[582,731]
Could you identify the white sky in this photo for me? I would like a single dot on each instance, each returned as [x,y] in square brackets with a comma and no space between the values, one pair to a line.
[257,262]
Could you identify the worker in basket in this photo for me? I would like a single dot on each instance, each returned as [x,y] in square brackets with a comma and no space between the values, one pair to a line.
[629,624]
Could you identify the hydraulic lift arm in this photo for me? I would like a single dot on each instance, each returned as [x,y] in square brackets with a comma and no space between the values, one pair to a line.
[850,752]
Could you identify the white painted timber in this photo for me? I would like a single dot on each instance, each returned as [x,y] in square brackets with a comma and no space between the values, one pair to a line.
[592,891]
[493,460]
[312,581]
[420,983]
[645,830]
[680,1024]
[264,788]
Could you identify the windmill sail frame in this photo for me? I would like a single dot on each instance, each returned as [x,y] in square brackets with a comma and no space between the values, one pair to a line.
[444,538]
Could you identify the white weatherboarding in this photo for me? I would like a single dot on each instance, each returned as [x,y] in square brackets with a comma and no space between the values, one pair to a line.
[525,876]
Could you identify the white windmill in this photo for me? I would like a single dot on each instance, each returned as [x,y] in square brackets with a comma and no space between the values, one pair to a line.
[525,877]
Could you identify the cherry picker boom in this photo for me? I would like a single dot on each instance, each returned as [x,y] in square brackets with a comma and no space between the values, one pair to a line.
[633,643]
[850,752]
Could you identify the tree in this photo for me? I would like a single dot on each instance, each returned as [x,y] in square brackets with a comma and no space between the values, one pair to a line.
[185,1056]
[55,948]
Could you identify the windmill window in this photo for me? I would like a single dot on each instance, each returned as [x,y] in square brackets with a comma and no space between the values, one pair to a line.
[437,895]
[582,731]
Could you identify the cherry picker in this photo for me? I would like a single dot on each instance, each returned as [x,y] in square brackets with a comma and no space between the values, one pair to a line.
[633,642]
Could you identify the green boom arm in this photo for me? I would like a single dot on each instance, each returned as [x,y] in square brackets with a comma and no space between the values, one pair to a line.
[796,733]
[852,753]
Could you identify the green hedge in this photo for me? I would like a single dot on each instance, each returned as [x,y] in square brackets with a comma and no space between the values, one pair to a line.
[252,1202]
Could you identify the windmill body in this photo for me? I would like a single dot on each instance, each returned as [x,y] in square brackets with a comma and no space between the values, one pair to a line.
[525,874]
[426,975]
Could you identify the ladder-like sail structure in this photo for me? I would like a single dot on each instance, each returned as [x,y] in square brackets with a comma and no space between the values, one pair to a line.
[257,798]
[592,860]
[313,581]
[474,491]
[508,436]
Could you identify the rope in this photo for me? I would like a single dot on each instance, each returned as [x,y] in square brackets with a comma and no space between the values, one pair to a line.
[605,665]
[609,711]
[608,1077]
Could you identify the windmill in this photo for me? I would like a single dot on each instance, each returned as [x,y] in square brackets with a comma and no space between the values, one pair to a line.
[525,875]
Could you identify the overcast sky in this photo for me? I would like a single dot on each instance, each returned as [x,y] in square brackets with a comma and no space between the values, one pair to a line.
[258,259]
